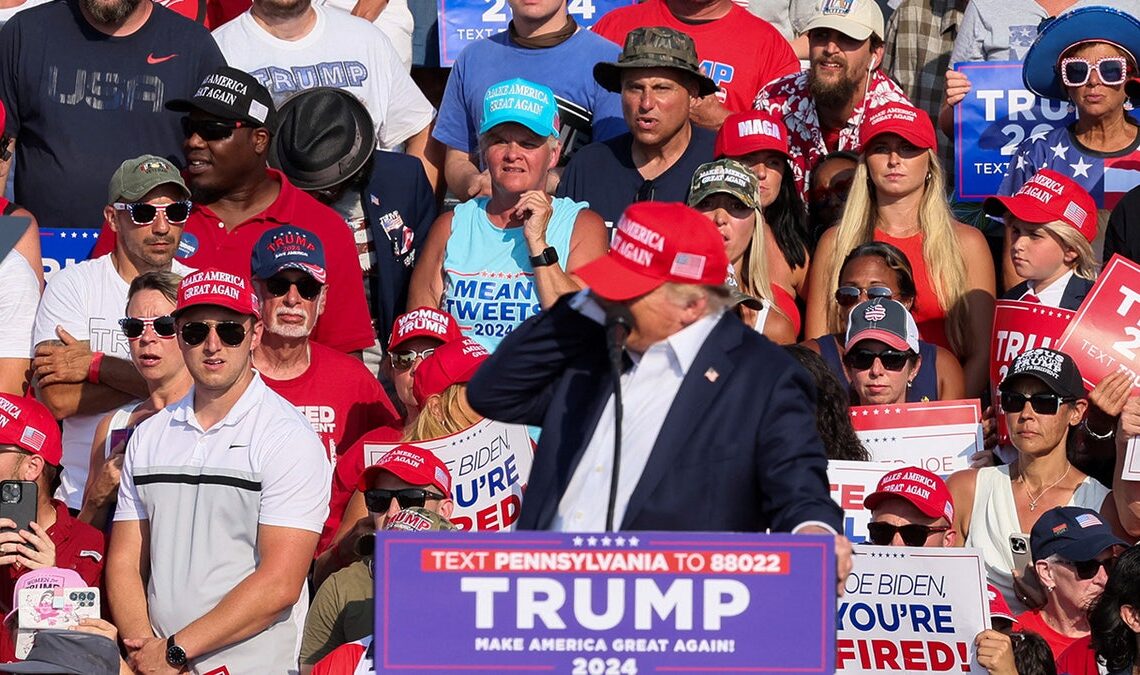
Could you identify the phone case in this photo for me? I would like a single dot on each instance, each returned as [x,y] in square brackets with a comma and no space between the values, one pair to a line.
[57,607]
[22,512]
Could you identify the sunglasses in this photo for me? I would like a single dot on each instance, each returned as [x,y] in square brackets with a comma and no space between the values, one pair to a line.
[847,296]
[882,534]
[307,286]
[405,360]
[1043,404]
[379,500]
[195,333]
[863,359]
[144,214]
[1112,70]
[1087,569]
[210,130]
[646,192]
[163,326]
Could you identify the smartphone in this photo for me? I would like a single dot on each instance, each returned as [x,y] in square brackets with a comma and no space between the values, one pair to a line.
[1022,556]
[18,503]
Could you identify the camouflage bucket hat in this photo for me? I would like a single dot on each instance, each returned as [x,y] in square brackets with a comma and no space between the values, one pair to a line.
[655,47]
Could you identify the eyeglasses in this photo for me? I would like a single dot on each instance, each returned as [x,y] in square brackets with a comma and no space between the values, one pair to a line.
[163,326]
[863,359]
[1087,569]
[405,360]
[1043,404]
[379,500]
[307,286]
[1112,70]
[195,333]
[882,534]
[210,130]
[646,192]
[847,296]
[144,214]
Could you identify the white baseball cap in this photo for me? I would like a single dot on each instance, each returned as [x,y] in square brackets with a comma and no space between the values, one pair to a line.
[857,19]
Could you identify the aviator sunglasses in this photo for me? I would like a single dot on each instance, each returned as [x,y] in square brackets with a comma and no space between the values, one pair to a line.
[847,296]
[163,326]
[308,287]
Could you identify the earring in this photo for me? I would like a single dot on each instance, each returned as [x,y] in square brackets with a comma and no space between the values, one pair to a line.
[909,384]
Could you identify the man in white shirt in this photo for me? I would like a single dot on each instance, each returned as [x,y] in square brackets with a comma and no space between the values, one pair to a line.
[82,365]
[222,500]
[292,46]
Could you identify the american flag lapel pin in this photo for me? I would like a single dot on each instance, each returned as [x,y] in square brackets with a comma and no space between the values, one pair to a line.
[711,375]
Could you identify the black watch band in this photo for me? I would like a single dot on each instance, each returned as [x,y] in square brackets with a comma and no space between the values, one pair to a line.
[545,259]
[175,655]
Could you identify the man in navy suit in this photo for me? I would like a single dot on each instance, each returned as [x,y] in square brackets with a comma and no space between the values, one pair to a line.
[718,429]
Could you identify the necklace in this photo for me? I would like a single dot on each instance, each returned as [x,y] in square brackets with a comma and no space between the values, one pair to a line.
[1033,500]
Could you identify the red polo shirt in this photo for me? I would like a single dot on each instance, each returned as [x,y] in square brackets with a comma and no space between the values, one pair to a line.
[345,324]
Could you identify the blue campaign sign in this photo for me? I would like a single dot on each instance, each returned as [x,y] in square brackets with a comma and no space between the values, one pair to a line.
[61,247]
[994,118]
[604,603]
[465,21]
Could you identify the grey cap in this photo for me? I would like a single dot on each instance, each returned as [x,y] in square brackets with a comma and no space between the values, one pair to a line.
[68,651]
[136,177]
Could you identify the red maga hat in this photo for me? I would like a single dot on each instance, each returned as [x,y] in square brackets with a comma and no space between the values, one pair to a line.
[655,243]
[1046,197]
[215,287]
[28,425]
[899,118]
[752,131]
[452,363]
[925,490]
[412,465]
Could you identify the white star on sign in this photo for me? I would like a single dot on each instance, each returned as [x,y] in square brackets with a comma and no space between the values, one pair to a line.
[633,541]
[1080,168]
[620,541]
[592,541]
[577,541]
[606,541]
[1059,150]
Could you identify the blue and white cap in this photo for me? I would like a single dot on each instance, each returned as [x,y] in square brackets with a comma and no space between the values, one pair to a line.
[522,102]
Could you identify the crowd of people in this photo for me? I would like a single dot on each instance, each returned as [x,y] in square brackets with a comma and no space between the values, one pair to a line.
[678,248]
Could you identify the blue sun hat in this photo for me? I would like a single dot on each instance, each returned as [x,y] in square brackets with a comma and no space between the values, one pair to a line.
[1056,36]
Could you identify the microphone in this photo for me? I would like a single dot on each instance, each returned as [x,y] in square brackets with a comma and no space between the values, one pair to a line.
[618,324]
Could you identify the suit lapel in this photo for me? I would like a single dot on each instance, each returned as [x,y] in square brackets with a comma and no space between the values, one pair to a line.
[705,379]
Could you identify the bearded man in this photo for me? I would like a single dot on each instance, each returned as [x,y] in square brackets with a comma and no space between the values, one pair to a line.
[79,103]
[824,106]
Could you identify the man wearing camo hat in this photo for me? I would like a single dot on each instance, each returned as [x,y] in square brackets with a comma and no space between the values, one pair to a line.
[658,76]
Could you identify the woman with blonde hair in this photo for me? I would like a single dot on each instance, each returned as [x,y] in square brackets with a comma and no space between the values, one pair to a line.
[898,197]
[726,191]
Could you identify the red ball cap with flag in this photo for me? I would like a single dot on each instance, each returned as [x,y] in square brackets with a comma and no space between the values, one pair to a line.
[925,490]
[452,363]
[423,322]
[912,124]
[1047,197]
[218,288]
[411,464]
[752,131]
[655,243]
[28,425]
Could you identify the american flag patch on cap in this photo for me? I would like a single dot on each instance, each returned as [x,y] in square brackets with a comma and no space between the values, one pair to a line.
[1088,520]
[1076,214]
[688,266]
[33,439]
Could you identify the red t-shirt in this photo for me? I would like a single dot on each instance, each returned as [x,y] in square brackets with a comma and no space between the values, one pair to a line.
[340,398]
[345,475]
[739,51]
[1032,622]
[345,324]
[1078,658]
[928,314]
[78,546]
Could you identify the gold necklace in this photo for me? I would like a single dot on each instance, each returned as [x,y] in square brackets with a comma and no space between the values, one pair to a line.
[1032,500]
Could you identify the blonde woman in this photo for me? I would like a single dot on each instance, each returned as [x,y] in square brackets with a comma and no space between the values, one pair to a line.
[726,191]
[898,197]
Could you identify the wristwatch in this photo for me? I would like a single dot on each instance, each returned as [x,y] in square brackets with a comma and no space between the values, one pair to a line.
[175,655]
[545,259]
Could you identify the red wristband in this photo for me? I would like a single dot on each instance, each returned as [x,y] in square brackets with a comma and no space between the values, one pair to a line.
[93,369]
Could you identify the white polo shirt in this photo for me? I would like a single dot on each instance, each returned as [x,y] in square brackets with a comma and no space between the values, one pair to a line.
[205,494]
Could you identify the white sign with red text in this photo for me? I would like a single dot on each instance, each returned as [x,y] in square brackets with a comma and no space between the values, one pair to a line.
[939,436]
[851,482]
[489,465]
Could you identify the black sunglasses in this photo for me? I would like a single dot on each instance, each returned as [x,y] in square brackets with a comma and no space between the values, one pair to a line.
[133,328]
[307,286]
[882,534]
[646,192]
[378,500]
[1043,404]
[144,214]
[1087,569]
[195,333]
[210,130]
[863,359]
[847,296]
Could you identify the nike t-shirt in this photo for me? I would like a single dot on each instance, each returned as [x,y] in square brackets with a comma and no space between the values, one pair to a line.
[80,102]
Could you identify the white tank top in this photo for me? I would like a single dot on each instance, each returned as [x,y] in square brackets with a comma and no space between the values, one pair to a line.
[994,518]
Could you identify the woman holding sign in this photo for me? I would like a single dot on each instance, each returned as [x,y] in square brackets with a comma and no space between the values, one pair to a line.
[1086,57]
[898,197]
[1043,399]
